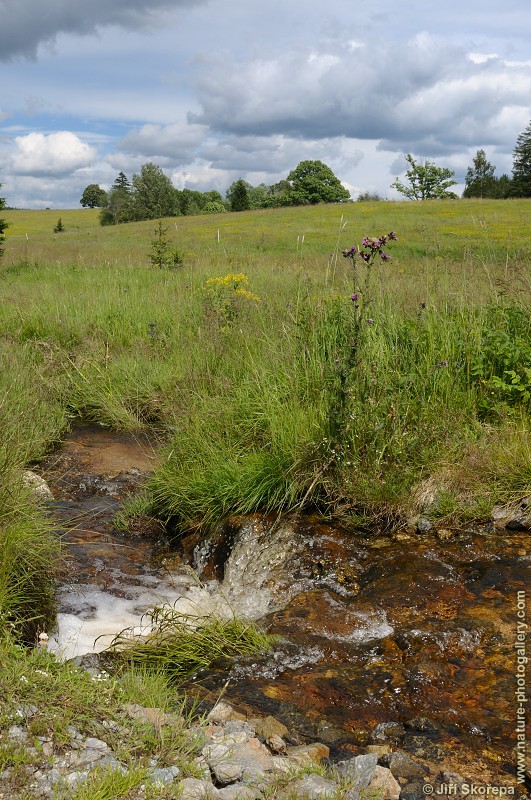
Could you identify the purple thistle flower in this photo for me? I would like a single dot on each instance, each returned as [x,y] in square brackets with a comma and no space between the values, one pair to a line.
[354,297]
[350,252]
[385,256]
[392,235]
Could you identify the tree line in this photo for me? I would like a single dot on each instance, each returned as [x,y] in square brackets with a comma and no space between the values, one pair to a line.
[151,195]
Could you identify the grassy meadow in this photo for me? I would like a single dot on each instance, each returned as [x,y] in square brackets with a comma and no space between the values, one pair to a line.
[243,361]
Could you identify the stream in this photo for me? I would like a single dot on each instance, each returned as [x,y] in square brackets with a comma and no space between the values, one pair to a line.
[401,639]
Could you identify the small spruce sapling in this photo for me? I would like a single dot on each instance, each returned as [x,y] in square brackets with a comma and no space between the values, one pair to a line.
[163,255]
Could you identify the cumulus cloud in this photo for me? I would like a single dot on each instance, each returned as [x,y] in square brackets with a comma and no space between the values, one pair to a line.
[424,95]
[55,154]
[273,155]
[175,143]
[28,23]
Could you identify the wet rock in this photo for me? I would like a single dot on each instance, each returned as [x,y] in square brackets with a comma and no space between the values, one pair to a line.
[379,749]
[423,525]
[195,789]
[422,724]
[513,518]
[385,784]
[359,772]
[312,787]
[452,778]
[403,766]
[388,732]
[308,753]
[444,534]
[267,727]
[413,791]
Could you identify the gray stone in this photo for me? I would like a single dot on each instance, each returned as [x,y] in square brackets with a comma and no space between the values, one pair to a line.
[359,772]
[92,750]
[26,710]
[276,744]
[308,753]
[247,760]
[39,488]
[239,792]
[75,778]
[385,783]
[194,789]
[163,775]
[403,766]
[312,787]
[423,525]
[514,519]
[222,712]
[17,733]
[227,771]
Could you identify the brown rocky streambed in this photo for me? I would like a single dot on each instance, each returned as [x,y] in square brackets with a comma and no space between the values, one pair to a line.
[388,644]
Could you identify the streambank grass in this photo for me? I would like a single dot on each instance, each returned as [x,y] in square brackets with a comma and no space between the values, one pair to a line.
[243,391]
[52,700]
[182,647]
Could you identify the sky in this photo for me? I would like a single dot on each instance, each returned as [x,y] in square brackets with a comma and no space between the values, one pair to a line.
[216,90]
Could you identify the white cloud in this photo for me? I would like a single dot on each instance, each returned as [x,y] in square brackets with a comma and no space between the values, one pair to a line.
[176,142]
[54,154]
[481,58]
[427,95]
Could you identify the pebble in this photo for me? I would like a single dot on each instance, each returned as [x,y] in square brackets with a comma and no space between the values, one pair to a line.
[242,757]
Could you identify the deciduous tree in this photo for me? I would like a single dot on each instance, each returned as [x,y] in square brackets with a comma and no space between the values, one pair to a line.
[313,182]
[426,181]
[93,196]
[153,193]
[479,179]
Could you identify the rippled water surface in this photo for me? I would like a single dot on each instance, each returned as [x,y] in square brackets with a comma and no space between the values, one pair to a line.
[372,629]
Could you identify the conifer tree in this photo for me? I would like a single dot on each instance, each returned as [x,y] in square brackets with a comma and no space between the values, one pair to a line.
[521,184]
[239,197]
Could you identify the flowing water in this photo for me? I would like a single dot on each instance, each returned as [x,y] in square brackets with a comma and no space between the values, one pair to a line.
[407,629]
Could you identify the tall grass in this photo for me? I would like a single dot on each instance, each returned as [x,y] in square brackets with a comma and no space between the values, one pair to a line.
[31,419]
[247,403]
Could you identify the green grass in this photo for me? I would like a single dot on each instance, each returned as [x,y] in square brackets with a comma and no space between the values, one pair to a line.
[244,391]
[181,647]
